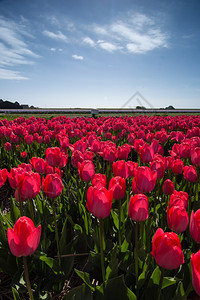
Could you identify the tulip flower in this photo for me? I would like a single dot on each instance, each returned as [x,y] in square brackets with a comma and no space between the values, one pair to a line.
[144,180]
[24,238]
[195,156]
[195,266]
[39,164]
[177,218]
[167,250]
[195,226]
[76,157]
[86,170]
[99,180]
[8,146]
[177,166]
[28,139]
[52,185]
[120,168]
[189,173]
[29,185]
[53,156]
[117,185]
[13,176]
[146,153]
[3,176]
[178,198]
[138,209]
[99,201]
[168,187]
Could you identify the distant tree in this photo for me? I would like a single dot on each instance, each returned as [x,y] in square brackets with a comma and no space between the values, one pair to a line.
[169,107]
[140,107]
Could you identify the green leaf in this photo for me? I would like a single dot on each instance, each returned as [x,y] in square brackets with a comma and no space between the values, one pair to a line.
[52,263]
[82,292]
[180,293]
[112,268]
[115,218]
[156,276]
[14,210]
[86,278]
[85,219]
[63,238]
[3,238]
[117,289]
[15,293]
[167,281]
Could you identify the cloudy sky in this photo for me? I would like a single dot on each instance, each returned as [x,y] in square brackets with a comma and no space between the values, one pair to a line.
[91,53]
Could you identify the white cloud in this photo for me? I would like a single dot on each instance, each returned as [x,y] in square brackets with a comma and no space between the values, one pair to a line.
[108,46]
[11,75]
[59,36]
[137,33]
[89,41]
[77,57]
[53,49]
[14,47]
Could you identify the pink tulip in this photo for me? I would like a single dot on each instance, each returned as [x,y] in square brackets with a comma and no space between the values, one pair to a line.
[24,238]
[138,209]
[167,250]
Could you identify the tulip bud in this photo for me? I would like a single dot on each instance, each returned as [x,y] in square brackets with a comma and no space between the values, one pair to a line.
[167,250]
[24,238]
[138,209]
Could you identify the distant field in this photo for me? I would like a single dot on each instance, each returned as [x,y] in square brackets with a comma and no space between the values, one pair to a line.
[11,114]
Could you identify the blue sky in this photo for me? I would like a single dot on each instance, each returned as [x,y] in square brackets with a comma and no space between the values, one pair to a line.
[95,54]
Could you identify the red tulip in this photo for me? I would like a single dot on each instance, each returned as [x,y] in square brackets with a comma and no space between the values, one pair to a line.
[168,187]
[195,225]
[120,168]
[117,185]
[53,156]
[77,157]
[177,166]
[146,153]
[131,165]
[29,185]
[109,153]
[195,266]
[13,176]
[195,156]
[8,146]
[24,154]
[166,249]
[99,180]
[189,173]
[144,180]
[177,218]
[158,165]
[39,164]
[24,238]
[52,185]
[99,201]
[178,199]
[28,139]
[138,209]
[86,170]
[3,176]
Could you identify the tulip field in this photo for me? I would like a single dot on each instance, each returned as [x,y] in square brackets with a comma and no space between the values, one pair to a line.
[100,208]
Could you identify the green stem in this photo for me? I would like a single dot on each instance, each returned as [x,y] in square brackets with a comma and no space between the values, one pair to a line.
[32,210]
[119,213]
[56,232]
[136,252]
[27,278]
[101,250]
[160,283]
